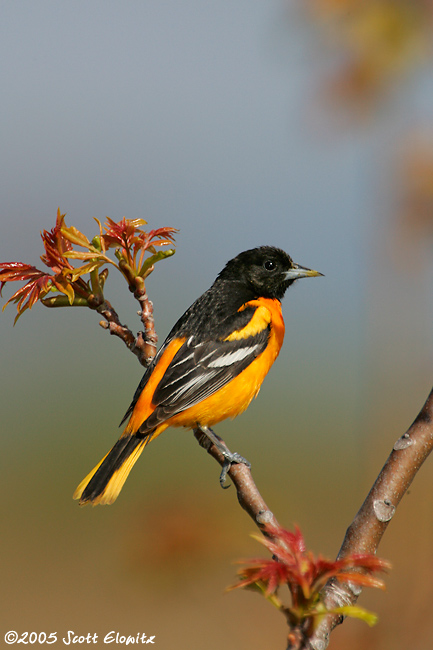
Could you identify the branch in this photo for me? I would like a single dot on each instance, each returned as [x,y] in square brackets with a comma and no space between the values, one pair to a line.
[366,530]
[144,344]
[147,341]
[370,523]
[248,495]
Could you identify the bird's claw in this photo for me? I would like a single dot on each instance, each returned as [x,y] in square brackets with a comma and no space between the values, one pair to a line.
[209,438]
[229,460]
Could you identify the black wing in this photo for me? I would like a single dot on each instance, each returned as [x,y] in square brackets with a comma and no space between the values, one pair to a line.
[195,320]
[198,370]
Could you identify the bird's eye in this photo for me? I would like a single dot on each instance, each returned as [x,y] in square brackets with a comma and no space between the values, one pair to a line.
[269,265]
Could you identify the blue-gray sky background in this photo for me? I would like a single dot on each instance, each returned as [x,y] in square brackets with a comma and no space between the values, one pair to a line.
[206,117]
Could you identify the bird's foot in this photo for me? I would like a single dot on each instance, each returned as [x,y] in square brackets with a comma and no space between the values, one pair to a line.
[210,438]
[230,458]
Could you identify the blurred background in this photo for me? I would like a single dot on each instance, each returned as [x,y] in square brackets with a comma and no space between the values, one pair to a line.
[307,125]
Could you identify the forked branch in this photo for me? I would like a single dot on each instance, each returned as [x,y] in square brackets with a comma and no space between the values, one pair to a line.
[367,529]
[365,532]
[144,344]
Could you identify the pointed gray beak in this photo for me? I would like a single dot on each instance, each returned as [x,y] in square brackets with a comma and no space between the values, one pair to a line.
[299,271]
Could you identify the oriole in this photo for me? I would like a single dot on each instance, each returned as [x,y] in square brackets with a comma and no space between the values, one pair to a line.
[210,366]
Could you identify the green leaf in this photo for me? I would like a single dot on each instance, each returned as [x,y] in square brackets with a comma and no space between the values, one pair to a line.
[86,268]
[356,612]
[63,301]
[96,243]
[77,255]
[99,244]
[153,259]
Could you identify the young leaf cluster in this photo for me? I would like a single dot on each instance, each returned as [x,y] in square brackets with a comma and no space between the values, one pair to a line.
[135,253]
[305,575]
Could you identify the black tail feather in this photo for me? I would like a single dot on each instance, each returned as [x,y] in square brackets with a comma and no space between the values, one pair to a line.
[109,466]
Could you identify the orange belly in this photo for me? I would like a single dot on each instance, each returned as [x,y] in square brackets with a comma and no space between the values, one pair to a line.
[234,397]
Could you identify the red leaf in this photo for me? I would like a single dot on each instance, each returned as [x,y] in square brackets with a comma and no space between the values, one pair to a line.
[301,571]
[17,271]
[121,233]
[55,244]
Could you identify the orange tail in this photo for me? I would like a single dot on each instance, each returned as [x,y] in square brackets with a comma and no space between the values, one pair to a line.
[103,484]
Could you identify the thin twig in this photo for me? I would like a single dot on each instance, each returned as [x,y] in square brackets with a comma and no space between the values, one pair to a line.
[248,494]
[148,340]
[114,326]
[144,344]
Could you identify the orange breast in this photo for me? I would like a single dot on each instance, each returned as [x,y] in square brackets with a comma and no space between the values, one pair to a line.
[233,399]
